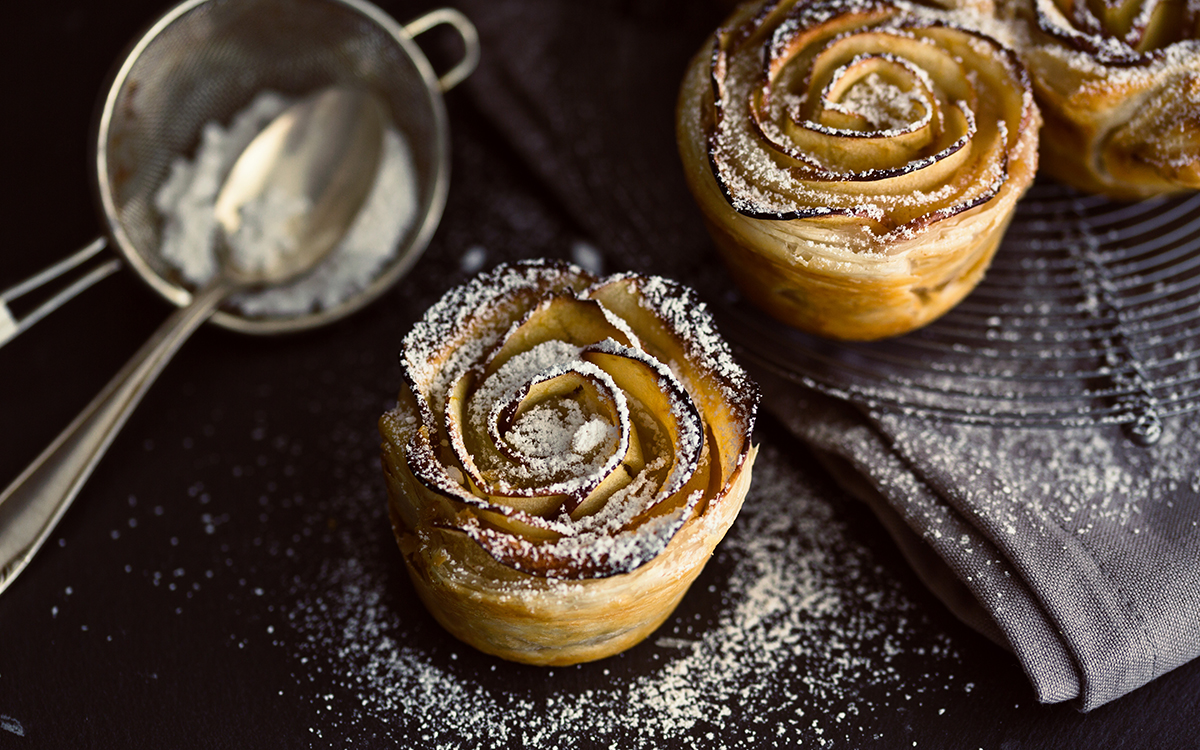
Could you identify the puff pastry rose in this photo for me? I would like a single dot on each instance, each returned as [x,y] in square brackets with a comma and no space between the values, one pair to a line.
[565,455]
[1119,86]
[856,161]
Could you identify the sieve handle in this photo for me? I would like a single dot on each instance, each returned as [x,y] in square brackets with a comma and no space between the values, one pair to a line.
[11,327]
[466,31]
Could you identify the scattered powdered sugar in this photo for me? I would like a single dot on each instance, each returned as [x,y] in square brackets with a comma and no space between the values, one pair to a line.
[802,649]
[1084,481]
[588,257]
[472,259]
[186,199]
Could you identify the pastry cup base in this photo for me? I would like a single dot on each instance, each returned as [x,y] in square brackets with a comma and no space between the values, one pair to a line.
[550,622]
[844,307]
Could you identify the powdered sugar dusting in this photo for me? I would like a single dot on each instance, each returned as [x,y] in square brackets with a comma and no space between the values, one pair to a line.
[686,314]
[1085,481]
[544,437]
[801,651]
[884,106]
[451,318]
[1117,38]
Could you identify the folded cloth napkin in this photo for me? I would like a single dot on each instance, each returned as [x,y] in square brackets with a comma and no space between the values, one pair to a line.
[1076,549]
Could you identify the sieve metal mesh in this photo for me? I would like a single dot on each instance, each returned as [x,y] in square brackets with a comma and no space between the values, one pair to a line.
[210,59]
[1090,314]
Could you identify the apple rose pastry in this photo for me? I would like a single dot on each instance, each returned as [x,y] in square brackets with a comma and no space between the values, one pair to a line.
[856,161]
[1119,86]
[565,455]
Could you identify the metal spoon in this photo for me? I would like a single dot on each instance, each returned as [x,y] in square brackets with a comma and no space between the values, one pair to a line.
[320,154]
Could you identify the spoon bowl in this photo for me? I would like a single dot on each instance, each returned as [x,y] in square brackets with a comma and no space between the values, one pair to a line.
[299,184]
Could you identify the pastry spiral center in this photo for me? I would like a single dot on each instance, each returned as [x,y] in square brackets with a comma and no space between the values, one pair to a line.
[551,419]
[872,102]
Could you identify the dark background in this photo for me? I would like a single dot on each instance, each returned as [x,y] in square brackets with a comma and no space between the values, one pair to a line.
[162,611]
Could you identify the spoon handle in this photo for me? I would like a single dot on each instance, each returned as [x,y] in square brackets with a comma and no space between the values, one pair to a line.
[32,505]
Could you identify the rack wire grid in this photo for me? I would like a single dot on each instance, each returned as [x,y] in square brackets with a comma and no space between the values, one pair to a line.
[1089,315]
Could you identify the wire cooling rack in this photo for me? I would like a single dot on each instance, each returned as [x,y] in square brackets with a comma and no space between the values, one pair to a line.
[1089,314]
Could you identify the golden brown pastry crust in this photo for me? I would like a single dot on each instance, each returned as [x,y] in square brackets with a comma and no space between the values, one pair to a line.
[1120,93]
[565,455]
[856,162]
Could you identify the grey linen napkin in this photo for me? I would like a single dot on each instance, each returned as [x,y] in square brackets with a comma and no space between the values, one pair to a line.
[1076,549]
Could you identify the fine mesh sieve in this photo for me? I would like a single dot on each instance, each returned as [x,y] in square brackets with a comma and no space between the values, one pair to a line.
[207,59]
[1089,314]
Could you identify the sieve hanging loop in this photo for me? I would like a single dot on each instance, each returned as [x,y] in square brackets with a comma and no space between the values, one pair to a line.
[466,32]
